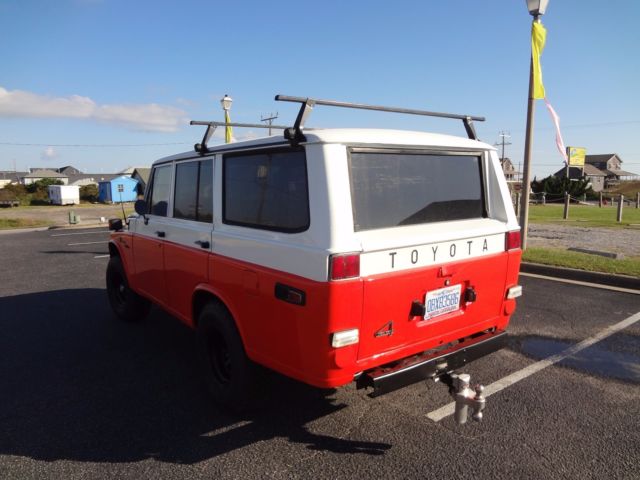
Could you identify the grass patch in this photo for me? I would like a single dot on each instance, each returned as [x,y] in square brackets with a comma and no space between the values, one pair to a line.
[584,215]
[582,261]
[6,223]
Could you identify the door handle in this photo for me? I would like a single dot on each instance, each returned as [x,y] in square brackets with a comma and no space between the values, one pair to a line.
[160,234]
[202,243]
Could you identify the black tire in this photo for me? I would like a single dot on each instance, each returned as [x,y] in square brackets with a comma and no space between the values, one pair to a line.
[126,304]
[228,372]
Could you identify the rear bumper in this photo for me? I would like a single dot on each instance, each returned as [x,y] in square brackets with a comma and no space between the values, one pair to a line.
[387,378]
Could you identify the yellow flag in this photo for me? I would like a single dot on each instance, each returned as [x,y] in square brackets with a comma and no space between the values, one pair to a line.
[228,131]
[538,39]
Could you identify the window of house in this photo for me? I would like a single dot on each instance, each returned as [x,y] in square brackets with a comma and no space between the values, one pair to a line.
[266,190]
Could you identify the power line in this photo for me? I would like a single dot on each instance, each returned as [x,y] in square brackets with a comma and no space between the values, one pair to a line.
[94,145]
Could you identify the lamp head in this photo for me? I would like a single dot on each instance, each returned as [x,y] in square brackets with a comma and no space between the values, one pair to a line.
[226,102]
[537,7]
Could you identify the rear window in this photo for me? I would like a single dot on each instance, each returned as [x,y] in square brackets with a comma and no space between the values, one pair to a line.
[391,189]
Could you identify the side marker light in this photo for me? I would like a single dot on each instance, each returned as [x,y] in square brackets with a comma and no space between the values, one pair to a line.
[514,292]
[344,338]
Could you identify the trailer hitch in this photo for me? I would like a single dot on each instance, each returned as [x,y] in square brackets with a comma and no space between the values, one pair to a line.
[465,398]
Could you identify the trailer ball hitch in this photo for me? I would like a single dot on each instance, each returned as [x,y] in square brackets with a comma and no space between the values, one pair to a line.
[466,399]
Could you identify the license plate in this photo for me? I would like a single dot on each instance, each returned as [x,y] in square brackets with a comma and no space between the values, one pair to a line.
[441,301]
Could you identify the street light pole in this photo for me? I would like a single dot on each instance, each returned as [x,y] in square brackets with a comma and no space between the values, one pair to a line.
[536,10]
[226,106]
[526,172]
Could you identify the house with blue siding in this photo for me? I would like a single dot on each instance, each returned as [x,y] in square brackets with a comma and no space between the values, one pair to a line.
[117,190]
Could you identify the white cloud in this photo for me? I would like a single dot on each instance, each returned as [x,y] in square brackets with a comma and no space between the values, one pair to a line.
[148,117]
[48,153]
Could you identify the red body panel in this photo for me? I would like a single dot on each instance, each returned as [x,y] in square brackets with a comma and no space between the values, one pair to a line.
[296,340]
[148,265]
[184,269]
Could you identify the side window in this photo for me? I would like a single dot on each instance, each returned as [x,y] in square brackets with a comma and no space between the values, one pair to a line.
[160,191]
[266,190]
[193,195]
[205,191]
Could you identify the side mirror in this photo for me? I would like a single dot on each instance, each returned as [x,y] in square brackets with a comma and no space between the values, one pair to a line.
[115,224]
[141,207]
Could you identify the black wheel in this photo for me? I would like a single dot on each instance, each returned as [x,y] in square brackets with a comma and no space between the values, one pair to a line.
[228,371]
[127,304]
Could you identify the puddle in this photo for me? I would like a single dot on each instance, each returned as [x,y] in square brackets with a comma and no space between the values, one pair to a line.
[615,357]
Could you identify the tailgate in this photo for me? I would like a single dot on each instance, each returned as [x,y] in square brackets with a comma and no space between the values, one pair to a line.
[460,298]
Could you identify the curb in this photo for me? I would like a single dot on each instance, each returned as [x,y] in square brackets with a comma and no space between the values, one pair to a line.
[8,231]
[621,281]
[45,228]
[78,226]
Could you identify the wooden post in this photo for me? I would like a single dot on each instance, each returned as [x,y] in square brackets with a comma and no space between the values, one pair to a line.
[600,201]
[544,198]
[638,200]
[518,204]
[620,203]
[567,198]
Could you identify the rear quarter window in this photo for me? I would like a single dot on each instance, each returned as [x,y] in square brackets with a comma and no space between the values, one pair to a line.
[266,190]
[391,189]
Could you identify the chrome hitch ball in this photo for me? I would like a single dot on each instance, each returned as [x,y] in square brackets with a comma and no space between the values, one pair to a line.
[466,398]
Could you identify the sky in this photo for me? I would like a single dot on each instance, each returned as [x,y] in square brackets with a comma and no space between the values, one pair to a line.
[107,84]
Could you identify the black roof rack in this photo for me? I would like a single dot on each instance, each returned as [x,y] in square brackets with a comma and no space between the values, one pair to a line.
[295,135]
[211,127]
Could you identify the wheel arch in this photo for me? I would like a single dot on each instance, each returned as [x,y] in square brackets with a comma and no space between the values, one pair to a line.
[113,250]
[203,295]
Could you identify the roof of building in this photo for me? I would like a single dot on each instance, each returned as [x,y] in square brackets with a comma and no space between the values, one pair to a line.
[118,177]
[620,173]
[94,177]
[45,174]
[593,171]
[13,176]
[69,170]
[601,158]
[143,173]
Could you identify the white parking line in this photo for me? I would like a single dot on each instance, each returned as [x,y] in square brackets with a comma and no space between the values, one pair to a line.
[102,256]
[79,233]
[509,380]
[85,243]
[584,284]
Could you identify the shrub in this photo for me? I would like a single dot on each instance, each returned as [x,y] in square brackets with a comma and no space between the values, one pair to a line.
[42,186]
[89,193]
[557,186]
[18,191]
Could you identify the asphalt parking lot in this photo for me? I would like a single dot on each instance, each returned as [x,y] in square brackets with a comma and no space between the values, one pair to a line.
[85,396]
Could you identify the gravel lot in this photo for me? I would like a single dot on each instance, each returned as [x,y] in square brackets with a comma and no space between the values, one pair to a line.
[59,215]
[611,240]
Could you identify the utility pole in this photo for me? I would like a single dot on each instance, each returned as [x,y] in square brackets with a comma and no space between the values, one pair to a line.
[269,120]
[503,135]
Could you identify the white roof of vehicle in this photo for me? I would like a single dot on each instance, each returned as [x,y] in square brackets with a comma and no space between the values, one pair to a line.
[353,136]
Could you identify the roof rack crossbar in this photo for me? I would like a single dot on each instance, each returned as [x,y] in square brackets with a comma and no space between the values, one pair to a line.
[211,127]
[309,103]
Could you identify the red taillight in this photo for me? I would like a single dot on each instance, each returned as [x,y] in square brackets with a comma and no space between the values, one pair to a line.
[344,266]
[512,240]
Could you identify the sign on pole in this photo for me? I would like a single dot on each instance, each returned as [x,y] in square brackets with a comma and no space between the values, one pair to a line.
[576,156]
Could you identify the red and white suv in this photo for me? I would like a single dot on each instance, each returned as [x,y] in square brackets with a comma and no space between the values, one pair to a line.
[330,255]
